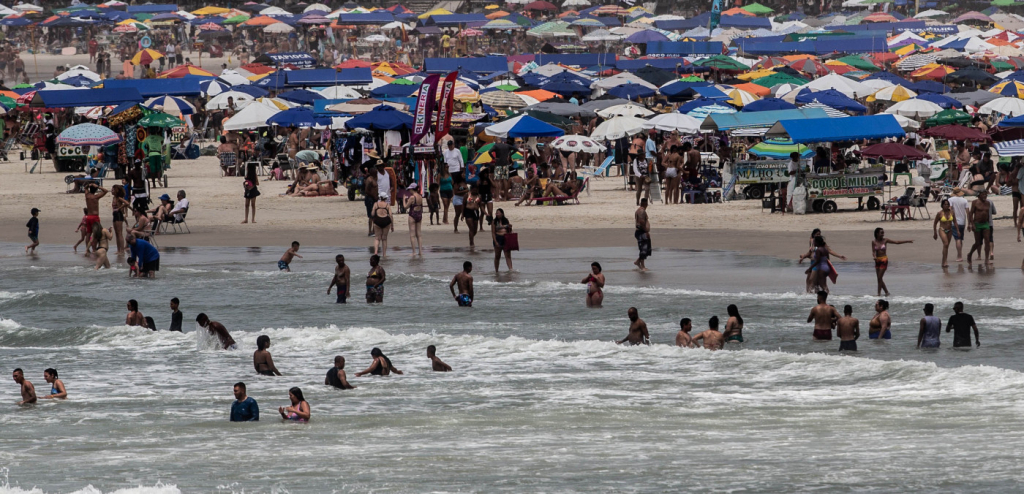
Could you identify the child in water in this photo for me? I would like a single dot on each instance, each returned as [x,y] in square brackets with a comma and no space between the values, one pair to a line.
[286,259]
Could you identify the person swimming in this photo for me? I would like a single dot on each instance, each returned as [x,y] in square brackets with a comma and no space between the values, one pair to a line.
[381,365]
[57,389]
[261,358]
[299,410]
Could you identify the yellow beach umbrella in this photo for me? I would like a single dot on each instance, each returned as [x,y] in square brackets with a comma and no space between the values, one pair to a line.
[895,94]
[492,6]
[211,10]
[739,97]
[757,74]
[434,12]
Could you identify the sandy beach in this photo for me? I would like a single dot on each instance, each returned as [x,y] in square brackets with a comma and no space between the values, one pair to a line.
[603,219]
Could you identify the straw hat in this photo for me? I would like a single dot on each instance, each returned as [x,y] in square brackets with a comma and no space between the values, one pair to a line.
[957,191]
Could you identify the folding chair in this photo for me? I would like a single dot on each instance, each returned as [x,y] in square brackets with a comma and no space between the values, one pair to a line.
[177,223]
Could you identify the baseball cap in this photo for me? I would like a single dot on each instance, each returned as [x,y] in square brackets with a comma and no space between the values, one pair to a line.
[34,210]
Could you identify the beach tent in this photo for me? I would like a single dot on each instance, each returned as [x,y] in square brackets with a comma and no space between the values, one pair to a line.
[780,149]
[382,117]
[837,129]
[730,121]
[523,126]
[297,117]
[251,117]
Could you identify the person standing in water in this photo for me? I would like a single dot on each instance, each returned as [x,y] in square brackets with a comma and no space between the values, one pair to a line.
[286,258]
[134,317]
[879,326]
[712,338]
[57,389]
[823,316]
[175,316]
[28,391]
[299,410]
[642,234]
[500,227]
[336,375]
[342,278]
[217,329]
[380,366]
[683,337]
[944,226]
[261,358]
[879,251]
[375,281]
[979,220]
[637,330]
[436,364]
[733,325]
[595,285]
[848,330]
[931,327]
[961,324]
[244,409]
[464,281]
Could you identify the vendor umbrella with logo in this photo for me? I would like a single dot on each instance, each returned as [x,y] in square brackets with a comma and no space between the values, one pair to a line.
[577,144]
[88,134]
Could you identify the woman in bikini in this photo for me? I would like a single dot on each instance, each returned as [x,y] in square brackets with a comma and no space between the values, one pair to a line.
[380,366]
[811,273]
[120,207]
[734,326]
[261,358]
[471,212]
[879,326]
[820,265]
[879,247]
[101,239]
[413,203]
[499,228]
[382,223]
[375,281]
[595,285]
[57,389]
[299,410]
[943,227]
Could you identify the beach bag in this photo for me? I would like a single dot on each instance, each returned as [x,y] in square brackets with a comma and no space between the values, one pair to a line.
[511,241]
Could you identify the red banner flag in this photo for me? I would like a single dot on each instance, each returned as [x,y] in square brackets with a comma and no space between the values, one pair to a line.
[445,107]
[424,108]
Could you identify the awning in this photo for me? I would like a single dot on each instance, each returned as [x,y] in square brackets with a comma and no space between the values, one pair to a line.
[152,9]
[837,129]
[1010,148]
[475,64]
[328,77]
[380,17]
[456,19]
[298,59]
[579,59]
[722,121]
[148,88]
[73,98]
[684,48]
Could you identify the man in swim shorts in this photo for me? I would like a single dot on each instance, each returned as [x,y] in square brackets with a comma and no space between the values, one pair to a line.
[711,337]
[683,338]
[642,234]
[288,256]
[217,329]
[93,193]
[342,277]
[979,221]
[823,316]
[28,391]
[436,364]
[848,330]
[637,330]
[465,282]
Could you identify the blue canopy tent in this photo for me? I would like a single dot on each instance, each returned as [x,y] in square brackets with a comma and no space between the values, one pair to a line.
[941,99]
[832,98]
[716,122]
[273,81]
[768,104]
[927,87]
[631,91]
[523,126]
[152,8]
[255,92]
[300,96]
[476,64]
[379,17]
[383,117]
[395,90]
[566,85]
[676,88]
[1014,122]
[298,59]
[148,88]
[299,116]
[74,98]
[328,77]
[803,131]
[646,36]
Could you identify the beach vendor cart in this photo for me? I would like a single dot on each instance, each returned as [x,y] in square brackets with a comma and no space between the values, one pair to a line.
[864,181]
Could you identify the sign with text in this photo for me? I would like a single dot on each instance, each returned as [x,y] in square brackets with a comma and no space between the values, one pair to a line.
[845,185]
[179,133]
[69,151]
[761,172]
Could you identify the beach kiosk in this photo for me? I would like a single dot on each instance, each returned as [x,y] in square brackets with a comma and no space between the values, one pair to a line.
[858,181]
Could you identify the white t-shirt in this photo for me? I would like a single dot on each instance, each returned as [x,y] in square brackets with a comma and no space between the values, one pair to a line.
[383,185]
[959,206]
[454,159]
[179,206]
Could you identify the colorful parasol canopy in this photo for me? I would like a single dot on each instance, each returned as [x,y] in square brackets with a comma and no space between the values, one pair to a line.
[88,134]
[146,57]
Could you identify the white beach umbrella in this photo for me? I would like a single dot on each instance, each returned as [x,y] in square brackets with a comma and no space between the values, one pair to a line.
[251,117]
[278,28]
[1010,107]
[914,108]
[783,89]
[220,101]
[931,13]
[317,6]
[848,87]
[79,70]
[27,7]
[578,144]
[377,38]
[575,3]
[907,123]
[274,11]
[877,84]
[233,77]
[894,93]
[602,35]
[684,124]
[618,127]
[340,92]
[628,110]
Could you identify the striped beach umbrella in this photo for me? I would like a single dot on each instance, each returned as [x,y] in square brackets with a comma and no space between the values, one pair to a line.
[146,57]
[1013,89]
[170,105]
[88,134]
[892,93]
[502,99]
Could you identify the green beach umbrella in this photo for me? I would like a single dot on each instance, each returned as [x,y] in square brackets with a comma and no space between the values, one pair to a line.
[946,117]
[160,119]
[238,19]
[691,78]
[756,9]
[780,149]
[859,62]
[508,87]
[779,78]
[722,62]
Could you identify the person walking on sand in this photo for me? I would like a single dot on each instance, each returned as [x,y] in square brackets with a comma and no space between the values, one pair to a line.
[342,278]
[848,330]
[637,330]
[595,285]
[642,234]
[286,259]
[251,192]
[683,337]
[944,226]
[464,281]
[879,247]
[414,205]
[823,316]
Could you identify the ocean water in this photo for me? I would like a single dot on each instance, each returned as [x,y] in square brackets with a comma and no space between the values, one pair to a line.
[541,399]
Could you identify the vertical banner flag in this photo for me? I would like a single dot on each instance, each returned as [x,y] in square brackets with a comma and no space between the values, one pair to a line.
[445,107]
[716,15]
[424,108]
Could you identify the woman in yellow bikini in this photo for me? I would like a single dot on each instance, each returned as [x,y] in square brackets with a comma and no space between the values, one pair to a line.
[943,226]
[878,250]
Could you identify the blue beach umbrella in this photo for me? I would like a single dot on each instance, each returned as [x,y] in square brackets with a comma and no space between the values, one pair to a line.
[524,126]
[631,91]
[832,98]
[213,87]
[255,92]
[768,104]
[299,116]
[171,105]
[88,134]
[696,103]
[394,90]
[941,99]
[383,117]
[646,36]
[702,112]
[300,96]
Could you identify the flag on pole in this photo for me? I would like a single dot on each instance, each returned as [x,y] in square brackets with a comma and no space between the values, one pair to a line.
[424,108]
[445,107]
[716,15]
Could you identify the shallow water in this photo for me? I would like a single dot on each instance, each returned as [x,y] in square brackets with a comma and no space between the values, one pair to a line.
[541,400]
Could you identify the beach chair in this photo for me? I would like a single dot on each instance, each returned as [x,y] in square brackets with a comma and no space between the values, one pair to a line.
[228,162]
[176,224]
[603,170]
[574,198]
[900,205]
